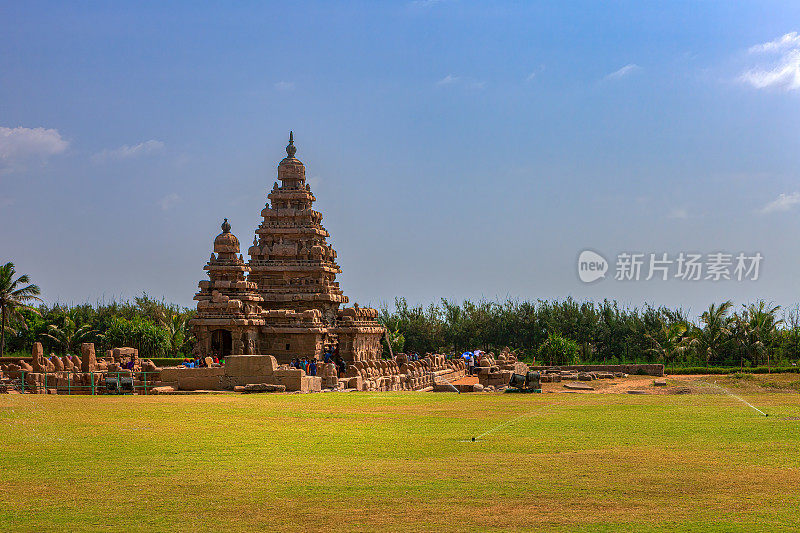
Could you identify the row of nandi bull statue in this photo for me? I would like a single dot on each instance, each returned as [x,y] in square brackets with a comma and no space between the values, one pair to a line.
[68,371]
[401,374]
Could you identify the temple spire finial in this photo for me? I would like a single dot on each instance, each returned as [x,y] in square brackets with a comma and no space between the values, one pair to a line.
[226,228]
[290,148]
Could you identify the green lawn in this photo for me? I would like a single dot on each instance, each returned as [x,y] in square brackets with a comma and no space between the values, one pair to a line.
[399,461]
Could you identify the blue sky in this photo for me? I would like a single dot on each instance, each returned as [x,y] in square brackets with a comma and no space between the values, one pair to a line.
[457,149]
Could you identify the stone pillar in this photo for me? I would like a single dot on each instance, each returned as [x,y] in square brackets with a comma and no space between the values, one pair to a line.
[88,359]
[38,363]
[206,341]
[202,347]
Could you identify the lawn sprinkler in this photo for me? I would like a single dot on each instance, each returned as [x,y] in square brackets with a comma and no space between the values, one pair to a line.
[530,382]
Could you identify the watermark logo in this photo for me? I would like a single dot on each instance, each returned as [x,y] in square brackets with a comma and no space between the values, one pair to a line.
[684,266]
[591,266]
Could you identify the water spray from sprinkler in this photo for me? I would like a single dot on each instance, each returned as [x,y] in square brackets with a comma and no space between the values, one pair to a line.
[723,389]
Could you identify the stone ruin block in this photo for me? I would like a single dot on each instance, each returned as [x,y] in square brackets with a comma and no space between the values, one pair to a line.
[240,366]
[88,359]
[189,379]
[259,387]
[117,353]
[293,379]
[355,382]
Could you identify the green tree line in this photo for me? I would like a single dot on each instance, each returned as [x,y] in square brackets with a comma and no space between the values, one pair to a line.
[155,328]
[567,331]
[557,332]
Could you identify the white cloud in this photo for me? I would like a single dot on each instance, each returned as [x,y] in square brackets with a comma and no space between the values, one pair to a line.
[168,201]
[534,73]
[126,152]
[21,144]
[447,80]
[624,71]
[784,202]
[780,68]
[680,213]
[452,80]
[284,86]
[781,44]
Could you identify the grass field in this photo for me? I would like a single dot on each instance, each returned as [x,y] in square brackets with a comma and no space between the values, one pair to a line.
[401,461]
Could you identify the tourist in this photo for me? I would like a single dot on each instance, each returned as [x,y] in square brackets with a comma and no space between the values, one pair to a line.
[471,361]
[312,368]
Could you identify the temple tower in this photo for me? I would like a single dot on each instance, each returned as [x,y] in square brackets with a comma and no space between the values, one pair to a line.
[228,306]
[288,303]
[290,260]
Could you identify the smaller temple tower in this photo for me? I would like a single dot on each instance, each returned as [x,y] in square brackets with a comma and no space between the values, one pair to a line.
[228,306]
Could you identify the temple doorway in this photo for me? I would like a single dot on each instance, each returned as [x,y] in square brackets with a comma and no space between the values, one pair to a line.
[221,343]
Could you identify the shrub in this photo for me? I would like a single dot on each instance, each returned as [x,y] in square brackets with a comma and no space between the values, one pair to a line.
[140,333]
[557,350]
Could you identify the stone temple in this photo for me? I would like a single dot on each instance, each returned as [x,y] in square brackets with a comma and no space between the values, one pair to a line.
[285,301]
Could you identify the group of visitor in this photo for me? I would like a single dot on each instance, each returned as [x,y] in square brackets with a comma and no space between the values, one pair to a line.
[413,356]
[309,367]
[332,356]
[201,363]
[471,360]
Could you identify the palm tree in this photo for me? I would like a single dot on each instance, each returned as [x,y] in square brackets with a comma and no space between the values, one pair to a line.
[743,336]
[68,335]
[15,296]
[762,324]
[716,330]
[674,341]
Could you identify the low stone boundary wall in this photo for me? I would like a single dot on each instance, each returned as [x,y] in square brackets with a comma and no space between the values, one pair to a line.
[189,379]
[633,369]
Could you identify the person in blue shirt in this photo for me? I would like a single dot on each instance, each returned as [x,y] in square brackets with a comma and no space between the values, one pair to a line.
[312,368]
